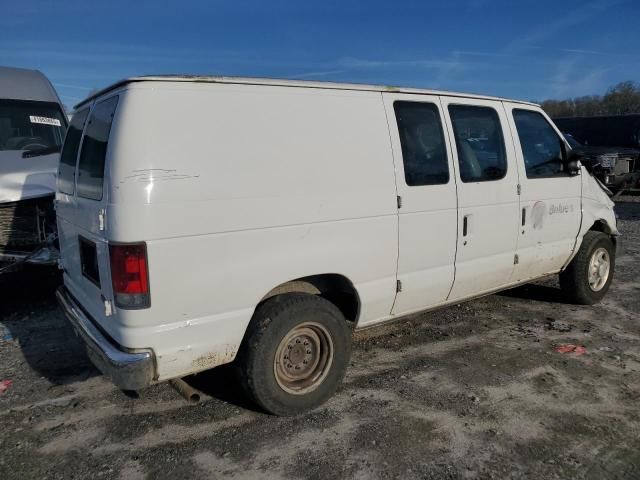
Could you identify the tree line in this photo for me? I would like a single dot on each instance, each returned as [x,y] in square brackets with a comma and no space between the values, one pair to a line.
[620,99]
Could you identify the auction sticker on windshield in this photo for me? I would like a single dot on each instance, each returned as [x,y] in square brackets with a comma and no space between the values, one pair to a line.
[45,120]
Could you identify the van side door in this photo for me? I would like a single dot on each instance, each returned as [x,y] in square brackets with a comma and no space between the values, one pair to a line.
[427,211]
[487,179]
[550,200]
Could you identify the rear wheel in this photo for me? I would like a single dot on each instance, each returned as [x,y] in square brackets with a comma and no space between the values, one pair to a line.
[295,353]
[588,277]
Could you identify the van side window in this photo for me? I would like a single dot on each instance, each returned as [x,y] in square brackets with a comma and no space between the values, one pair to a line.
[541,146]
[481,152]
[422,140]
[94,150]
[69,155]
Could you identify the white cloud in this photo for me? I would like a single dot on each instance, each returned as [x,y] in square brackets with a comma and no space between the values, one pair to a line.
[562,24]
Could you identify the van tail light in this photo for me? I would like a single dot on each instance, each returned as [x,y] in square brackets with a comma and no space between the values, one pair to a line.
[130,275]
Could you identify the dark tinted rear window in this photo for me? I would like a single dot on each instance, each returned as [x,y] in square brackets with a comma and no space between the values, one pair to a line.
[94,149]
[69,154]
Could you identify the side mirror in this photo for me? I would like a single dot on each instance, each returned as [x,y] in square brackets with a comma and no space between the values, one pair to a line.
[571,159]
[573,167]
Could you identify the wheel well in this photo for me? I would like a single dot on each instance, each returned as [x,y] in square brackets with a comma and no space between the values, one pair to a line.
[330,286]
[601,226]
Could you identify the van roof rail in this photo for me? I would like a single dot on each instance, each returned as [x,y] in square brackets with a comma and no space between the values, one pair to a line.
[287,83]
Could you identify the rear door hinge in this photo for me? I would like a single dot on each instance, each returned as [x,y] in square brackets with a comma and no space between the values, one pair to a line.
[399,199]
[398,286]
[516,259]
[519,189]
[101,219]
[108,306]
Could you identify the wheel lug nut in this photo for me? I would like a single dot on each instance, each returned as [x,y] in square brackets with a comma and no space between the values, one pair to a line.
[286,357]
[297,340]
[289,347]
[309,351]
[305,361]
[297,367]
[306,343]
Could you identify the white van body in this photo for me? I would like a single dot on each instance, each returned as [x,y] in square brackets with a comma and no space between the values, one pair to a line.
[245,188]
[32,130]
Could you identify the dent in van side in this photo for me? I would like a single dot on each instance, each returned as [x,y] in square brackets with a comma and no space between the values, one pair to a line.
[597,211]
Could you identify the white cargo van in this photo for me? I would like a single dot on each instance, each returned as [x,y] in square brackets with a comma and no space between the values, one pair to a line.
[32,129]
[209,220]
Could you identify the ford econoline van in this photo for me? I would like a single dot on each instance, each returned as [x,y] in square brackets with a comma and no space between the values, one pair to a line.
[32,129]
[210,220]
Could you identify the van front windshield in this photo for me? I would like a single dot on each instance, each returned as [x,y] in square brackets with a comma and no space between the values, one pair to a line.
[33,126]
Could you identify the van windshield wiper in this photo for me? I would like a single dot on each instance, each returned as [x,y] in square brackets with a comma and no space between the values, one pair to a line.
[40,151]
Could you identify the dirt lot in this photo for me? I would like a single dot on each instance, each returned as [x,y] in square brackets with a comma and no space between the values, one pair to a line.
[472,391]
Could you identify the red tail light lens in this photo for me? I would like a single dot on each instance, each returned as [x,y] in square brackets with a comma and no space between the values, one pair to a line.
[129,275]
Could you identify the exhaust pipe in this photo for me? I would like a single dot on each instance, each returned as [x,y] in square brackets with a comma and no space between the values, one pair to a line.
[187,391]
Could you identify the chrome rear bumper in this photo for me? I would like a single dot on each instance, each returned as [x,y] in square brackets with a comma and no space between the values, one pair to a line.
[128,371]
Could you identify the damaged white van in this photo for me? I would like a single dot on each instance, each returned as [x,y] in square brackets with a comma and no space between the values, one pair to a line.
[209,220]
[32,129]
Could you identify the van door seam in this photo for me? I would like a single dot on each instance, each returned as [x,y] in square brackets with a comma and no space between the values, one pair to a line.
[455,183]
[519,187]
[395,182]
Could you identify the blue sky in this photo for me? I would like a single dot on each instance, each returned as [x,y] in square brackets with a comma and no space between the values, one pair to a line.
[527,49]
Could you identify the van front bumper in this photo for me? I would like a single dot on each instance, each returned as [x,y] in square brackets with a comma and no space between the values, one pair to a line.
[127,370]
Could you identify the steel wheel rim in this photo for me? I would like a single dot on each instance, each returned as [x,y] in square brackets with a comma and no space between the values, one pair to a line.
[303,358]
[599,269]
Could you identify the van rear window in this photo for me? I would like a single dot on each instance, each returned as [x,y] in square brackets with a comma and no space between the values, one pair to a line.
[94,149]
[67,168]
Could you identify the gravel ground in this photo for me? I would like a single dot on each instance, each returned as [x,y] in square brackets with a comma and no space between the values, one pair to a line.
[472,391]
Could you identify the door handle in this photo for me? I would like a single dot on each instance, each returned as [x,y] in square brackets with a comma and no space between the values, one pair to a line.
[465,225]
[524,215]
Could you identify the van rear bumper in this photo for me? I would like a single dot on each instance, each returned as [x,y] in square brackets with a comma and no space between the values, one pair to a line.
[128,371]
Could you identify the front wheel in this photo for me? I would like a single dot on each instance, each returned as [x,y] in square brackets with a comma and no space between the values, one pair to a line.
[295,353]
[588,277]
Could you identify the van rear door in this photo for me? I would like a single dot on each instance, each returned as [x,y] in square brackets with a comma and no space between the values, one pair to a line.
[82,222]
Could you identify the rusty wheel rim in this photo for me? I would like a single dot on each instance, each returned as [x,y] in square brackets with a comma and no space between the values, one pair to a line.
[303,358]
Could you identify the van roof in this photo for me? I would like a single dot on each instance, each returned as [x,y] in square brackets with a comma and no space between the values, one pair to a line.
[24,84]
[288,83]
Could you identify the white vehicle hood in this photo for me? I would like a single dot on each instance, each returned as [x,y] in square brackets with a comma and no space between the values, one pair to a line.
[24,178]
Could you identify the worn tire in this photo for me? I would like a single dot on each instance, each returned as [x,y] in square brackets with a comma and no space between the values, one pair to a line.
[272,322]
[574,280]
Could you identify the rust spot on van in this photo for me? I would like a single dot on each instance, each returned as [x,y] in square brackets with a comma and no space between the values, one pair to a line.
[215,358]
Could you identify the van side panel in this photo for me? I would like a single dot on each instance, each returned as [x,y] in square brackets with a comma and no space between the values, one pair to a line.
[237,189]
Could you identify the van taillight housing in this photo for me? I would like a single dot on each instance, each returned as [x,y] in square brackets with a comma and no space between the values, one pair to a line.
[130,275]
